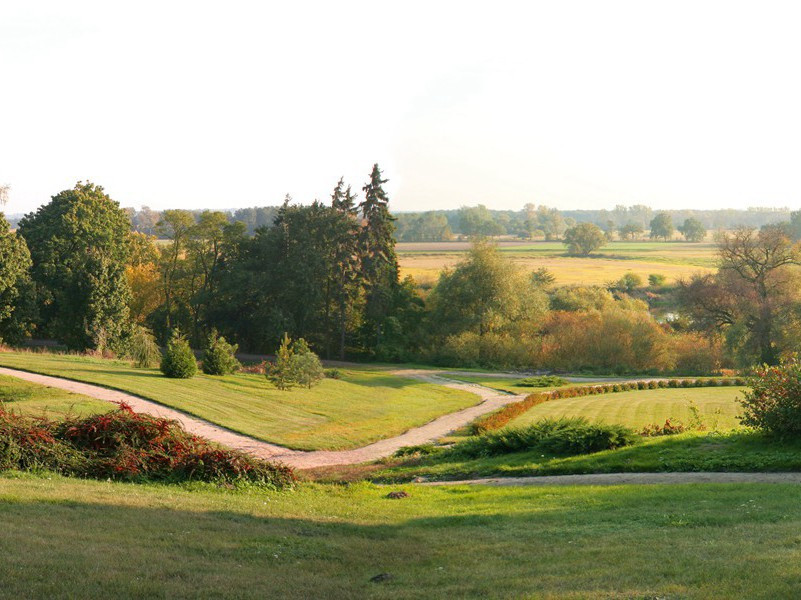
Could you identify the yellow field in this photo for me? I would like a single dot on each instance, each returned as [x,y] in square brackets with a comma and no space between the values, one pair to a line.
[674,260]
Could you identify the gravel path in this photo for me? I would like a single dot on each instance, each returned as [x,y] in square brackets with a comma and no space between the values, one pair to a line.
[491,400]
[629,479]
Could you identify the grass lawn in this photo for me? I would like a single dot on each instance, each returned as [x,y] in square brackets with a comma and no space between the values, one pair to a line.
[717,407]
[737,450]
[685,541]
[364,406]
[28,398]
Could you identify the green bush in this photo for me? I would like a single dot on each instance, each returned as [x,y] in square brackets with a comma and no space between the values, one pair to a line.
[674,383]
[333,374]
[295,364]
[543,381]
[686,383]
[144,351]
[652,385]
[219,359]
[179,360]
[561,437]
[662,383]
[773,404]
[656,280]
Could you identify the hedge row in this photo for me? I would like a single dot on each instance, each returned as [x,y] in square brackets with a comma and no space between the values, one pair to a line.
[502,417]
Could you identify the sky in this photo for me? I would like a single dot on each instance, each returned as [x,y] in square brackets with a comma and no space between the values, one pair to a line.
[175,104]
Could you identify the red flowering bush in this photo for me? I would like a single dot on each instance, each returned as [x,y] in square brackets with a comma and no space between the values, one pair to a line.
[669,428]
[773,404]
[126,445]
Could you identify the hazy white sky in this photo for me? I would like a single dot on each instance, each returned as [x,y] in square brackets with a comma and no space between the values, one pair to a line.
[570,104]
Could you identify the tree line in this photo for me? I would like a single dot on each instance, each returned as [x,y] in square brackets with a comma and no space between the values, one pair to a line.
[328,273]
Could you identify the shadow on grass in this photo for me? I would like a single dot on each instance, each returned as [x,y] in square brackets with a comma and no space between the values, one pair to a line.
[502,543]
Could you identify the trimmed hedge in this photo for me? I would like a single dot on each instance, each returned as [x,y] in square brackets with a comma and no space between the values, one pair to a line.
[503,416]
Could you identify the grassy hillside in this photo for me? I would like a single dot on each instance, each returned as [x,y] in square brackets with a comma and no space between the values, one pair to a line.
[328,542]
[37,400]
[362,407]
[716,407]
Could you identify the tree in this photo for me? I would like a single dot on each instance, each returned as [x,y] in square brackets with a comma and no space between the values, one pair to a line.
[179,360]
[630,230]
[79,247]
[306,368]
[693,230]
[583,238]
[378,259]
[219,357]
[662,226]
[753,296]
[175,225]
[17,295]
[280,372]
[485,293]
[144,350]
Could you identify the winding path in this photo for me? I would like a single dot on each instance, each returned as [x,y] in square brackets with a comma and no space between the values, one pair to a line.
[491,400]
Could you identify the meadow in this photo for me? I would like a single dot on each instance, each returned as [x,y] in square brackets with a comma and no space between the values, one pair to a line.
[30,399]
[674,260]
[717,408]
[688,541]
[363,406]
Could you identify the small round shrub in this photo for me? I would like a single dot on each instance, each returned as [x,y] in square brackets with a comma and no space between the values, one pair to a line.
[179,360]
[652,385]
[699,383]
[642,385]
[219,359]
[673,383]
[739,381]
[617,388]
[662,383]
[686,383]
[333,374]
[712,382]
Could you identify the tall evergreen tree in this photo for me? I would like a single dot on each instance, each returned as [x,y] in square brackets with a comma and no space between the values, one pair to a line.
[79,247]
[379,261]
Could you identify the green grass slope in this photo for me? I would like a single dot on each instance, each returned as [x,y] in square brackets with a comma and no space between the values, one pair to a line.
[81,539]
[362,407]
[37,400]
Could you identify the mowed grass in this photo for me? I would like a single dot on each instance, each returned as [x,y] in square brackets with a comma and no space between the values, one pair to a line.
[684,541]
[717,407]
[26,398]
[511,384]
[674,260]
[364,406]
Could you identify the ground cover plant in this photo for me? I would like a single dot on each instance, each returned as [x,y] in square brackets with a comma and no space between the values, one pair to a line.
[564,436]
[362,406]
[31,399]
[738,450]
[125,445]
[448,542]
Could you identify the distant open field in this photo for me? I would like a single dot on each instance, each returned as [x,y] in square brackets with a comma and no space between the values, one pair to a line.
[674,260]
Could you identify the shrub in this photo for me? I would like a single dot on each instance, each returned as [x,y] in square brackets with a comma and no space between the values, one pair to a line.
[653,384]
[774,402]
[656,280]
[419,450]
[295,363]
[669,428]
[144,351]
[686,383]
[712,382]
[280,372]
[699,383]
[219,359]
[333,374]
[542,381]
[642,385]
[503,416]
[125,445]
[566,436]
[179,360]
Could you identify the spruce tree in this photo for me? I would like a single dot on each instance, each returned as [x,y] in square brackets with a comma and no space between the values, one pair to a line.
[379,261]
[344,280]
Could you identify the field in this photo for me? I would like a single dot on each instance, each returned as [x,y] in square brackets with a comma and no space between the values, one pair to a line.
[364,406]
[511,384]
[28,398]
[717,408]
[424,261]
[688,541]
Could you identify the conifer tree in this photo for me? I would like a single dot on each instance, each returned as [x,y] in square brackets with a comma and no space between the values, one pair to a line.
[377,250]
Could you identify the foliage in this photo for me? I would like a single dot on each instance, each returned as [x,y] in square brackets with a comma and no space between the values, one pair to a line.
[656,280]
[662,226]
[773,404]
[668,428]
[305,366]
[584,238]
[79,246]
[143,350]
[542,381]
[630,230]
[693,230]
[333,374]
[219,357]
[280,371]
[125,445]
[17,295]
[179,361]
[629,282]
[558,437]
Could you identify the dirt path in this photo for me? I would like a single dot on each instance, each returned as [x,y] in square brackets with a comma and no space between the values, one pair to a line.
[491,400]
[629,479]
